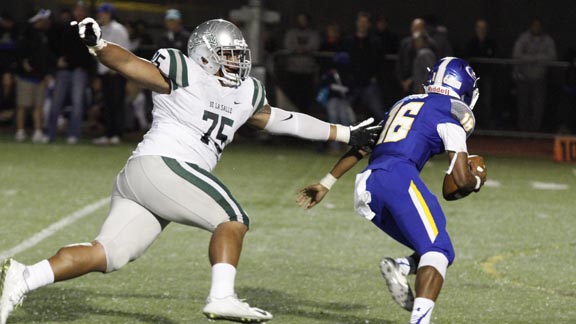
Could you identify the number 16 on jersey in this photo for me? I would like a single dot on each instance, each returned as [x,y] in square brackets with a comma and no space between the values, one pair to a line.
[397,127]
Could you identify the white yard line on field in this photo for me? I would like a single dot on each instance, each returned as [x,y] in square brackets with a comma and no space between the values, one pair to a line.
[50,230]
[549,185]
[492,183]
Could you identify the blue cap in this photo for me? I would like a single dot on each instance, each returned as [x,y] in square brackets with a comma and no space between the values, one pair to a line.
[106,7]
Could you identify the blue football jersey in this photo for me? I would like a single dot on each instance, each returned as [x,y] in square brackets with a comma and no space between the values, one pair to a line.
[410,132]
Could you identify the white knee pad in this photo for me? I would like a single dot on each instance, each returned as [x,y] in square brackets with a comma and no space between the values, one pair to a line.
[436,260]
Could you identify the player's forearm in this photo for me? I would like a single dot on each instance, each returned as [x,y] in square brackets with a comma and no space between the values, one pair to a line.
[345,164]
[132,67]
[116,58]
[283,122]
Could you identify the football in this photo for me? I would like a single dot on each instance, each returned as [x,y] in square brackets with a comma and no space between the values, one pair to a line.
[476,162]
[450,189]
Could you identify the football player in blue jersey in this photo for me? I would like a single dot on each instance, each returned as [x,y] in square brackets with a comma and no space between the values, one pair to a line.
[390,192]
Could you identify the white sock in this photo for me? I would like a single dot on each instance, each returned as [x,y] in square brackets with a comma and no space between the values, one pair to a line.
[39,275]
[422,311]
[404,264]
[223,276]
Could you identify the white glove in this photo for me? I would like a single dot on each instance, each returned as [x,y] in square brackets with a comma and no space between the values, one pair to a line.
[91,35]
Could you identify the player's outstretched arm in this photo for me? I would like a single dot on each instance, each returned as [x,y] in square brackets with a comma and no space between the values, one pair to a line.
[282,122]
[120,59]
[311,195]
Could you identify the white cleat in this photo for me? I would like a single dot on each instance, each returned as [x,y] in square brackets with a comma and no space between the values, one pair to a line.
[233,309]
[397,283]
[13,287]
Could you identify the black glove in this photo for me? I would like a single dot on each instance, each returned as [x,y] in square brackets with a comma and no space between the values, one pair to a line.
[364,135]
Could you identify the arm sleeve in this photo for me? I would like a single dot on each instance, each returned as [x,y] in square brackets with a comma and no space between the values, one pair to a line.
[453,137]
[282,122]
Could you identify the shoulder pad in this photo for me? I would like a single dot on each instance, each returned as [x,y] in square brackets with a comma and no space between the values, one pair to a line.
[173,64]
[463,114]
[258,96]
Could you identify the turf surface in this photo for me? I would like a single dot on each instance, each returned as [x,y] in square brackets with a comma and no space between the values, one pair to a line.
[515,244]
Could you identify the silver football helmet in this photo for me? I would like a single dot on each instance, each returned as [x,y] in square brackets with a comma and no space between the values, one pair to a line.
[218,45]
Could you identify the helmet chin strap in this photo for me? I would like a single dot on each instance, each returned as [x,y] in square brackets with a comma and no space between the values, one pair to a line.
[227,78]
[475,95]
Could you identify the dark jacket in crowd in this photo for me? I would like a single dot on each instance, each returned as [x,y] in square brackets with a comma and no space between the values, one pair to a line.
[66,43]
[478,48]
[407,54]
[33,47]
[8,55]
[177,40]
[366,59]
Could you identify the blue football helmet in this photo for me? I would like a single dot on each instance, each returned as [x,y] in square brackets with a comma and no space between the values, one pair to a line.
[453,77]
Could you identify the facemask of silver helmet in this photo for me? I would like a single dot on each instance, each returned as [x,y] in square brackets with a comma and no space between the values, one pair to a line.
[218,45]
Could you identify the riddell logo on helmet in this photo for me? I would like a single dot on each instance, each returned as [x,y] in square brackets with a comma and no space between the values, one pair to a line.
[440,90]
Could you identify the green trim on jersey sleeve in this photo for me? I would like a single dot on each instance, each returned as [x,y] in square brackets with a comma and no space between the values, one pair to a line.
[185,82]
[178,72]
[259,96]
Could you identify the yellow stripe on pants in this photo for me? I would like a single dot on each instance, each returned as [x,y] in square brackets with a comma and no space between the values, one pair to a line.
[424,211]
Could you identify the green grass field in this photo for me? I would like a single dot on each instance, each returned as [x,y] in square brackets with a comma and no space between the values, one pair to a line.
[515,244]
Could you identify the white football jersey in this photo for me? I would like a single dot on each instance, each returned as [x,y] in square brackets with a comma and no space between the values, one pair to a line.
[200,116]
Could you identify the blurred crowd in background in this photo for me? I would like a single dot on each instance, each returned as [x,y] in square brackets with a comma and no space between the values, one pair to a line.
[52,87]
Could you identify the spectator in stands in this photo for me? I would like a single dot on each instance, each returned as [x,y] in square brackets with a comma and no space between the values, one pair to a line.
[407,53]
[35,63]
[439,34]
[481,45]
[566,114]
[74,67]
[366,61]
[141,43]
[137,99]
[113,84]
[301,42]
[332,39]
[8,59]
[424,59]
[8,35]
[533,48]
[175,36]
[388,38]
[330,44]
[7,98]
[334,95]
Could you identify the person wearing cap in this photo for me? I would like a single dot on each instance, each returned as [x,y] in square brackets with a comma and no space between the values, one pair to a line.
[74,67]
[175,36]
[113,84]
[35,64]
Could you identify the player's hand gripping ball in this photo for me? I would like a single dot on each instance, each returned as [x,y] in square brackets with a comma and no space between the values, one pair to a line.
[451,191]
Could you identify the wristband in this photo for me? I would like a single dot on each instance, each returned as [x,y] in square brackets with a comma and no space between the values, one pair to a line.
[342,134]
[99,45]
[328,181]
[478,183]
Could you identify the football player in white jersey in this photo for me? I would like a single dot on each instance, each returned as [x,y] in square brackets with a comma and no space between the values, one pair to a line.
[200,100]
